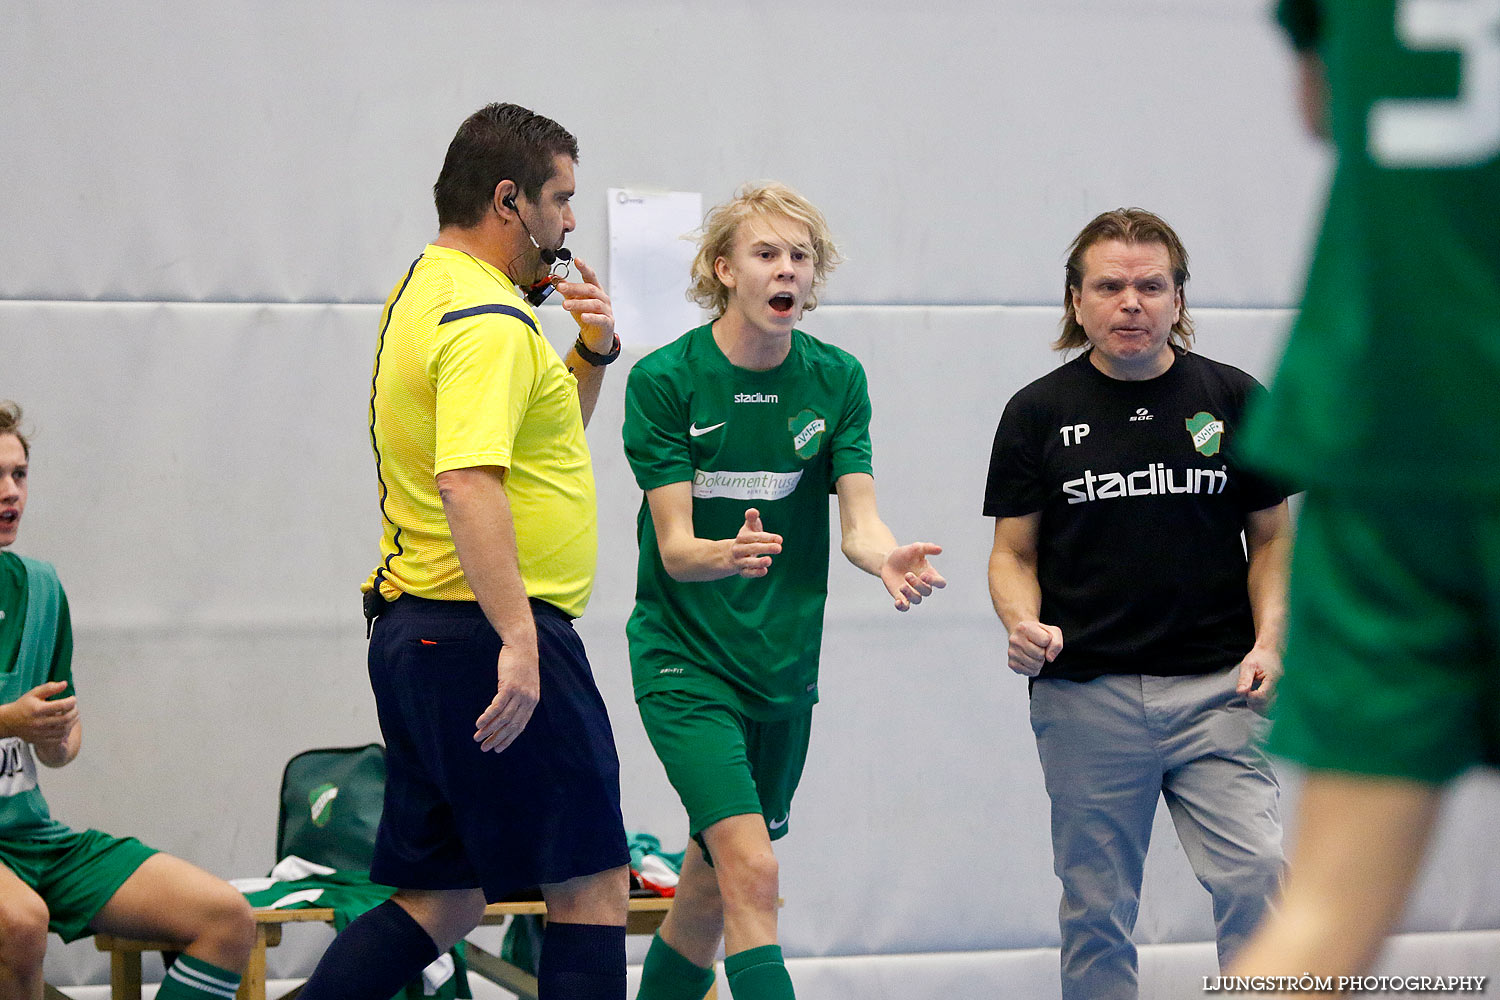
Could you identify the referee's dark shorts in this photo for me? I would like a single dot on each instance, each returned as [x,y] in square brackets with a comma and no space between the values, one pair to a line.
[546,809]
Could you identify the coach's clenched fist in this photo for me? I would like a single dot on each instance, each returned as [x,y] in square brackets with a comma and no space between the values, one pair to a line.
[1032,646]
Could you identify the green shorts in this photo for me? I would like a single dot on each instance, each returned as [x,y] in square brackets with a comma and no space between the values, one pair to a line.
[724,763]
[74,872]
[1393,646]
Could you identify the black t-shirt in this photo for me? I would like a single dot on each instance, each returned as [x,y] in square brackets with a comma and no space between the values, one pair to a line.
[1139,552]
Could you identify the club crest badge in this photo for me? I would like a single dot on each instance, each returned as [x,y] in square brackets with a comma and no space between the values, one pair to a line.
[1207,433]
[807,433]
[320,803]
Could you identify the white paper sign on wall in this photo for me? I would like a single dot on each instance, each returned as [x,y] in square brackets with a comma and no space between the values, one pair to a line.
[650,256]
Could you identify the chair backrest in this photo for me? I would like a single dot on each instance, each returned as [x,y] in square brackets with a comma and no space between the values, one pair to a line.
[331,801]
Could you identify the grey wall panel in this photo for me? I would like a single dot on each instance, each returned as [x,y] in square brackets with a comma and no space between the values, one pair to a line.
[216,458]
[285,152]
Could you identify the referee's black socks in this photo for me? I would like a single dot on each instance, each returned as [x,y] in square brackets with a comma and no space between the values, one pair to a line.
[375,956]
[582,962]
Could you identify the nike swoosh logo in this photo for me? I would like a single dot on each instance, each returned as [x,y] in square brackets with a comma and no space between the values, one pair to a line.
[777,824]
[697,431]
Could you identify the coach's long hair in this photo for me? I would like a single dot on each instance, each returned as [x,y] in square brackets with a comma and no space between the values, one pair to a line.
[1128,225]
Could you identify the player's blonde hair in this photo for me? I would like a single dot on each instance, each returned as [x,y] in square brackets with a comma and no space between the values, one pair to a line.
[10,423]
[1128,225]
[767,200]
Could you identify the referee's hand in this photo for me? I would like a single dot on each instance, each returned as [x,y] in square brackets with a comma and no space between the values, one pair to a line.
[589,303]
[516,695]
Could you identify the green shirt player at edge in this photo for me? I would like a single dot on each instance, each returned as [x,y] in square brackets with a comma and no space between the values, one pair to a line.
[1384,408]
[53,877]
[737,432]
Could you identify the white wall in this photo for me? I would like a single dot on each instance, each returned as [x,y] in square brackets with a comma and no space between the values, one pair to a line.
[204,205]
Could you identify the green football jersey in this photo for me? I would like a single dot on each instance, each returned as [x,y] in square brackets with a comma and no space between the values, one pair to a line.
[36,643]
[1390,377]
[777,441]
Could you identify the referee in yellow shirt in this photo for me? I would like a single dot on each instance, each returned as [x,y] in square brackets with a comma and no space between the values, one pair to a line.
[502,771]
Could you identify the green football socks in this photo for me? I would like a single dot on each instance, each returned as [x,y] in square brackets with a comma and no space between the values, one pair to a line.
[759,974]
[667,975]
[192,978]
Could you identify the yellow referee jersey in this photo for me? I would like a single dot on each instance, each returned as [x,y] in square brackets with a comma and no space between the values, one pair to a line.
[464,378]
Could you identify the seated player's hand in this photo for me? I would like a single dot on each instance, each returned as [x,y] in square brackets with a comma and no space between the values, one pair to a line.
[1033,646]
[38,720]
[589,303]
[750,550]
[53,753]
[908,575]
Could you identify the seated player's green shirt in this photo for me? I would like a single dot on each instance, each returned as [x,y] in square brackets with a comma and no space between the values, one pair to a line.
[36,646]
[777,441]
[1390,378]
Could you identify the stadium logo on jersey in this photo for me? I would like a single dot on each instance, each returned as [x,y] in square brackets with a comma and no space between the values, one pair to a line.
[807,433]
[1141,414]
[320,803]
[1154,480]
[1207,433]
[744,485]
[756,397]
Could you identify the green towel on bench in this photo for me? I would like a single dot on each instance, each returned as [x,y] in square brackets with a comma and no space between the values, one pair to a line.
[348,894]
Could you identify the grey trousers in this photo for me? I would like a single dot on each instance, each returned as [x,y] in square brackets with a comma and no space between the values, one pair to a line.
[1109,747]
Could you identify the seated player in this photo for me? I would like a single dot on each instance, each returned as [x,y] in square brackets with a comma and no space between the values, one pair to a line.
[737,432]
[68,881]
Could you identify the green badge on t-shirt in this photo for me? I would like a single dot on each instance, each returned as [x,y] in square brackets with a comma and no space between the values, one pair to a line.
[807,433]
[1207,433]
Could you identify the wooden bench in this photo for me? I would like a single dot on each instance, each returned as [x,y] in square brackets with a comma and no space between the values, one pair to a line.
[645,917]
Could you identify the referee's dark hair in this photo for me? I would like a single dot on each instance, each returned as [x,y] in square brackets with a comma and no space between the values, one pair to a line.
[498,142]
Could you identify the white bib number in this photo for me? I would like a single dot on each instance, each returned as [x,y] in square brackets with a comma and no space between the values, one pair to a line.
[1454,132]
[17,767]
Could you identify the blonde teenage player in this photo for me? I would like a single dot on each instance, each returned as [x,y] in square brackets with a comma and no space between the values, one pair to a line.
[737,432]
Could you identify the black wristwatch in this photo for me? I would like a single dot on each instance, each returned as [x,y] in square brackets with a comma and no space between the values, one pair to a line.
[597,360]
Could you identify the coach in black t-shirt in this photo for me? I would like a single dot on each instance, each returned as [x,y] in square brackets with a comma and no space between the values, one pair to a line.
[1120,572]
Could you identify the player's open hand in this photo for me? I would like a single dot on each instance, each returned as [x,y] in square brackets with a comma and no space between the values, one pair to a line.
[516,695]
[38,720]
[751,550]
[589,303]
[908,575]
[1033,646]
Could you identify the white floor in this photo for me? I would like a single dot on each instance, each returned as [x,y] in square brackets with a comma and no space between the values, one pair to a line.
[1168,972]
